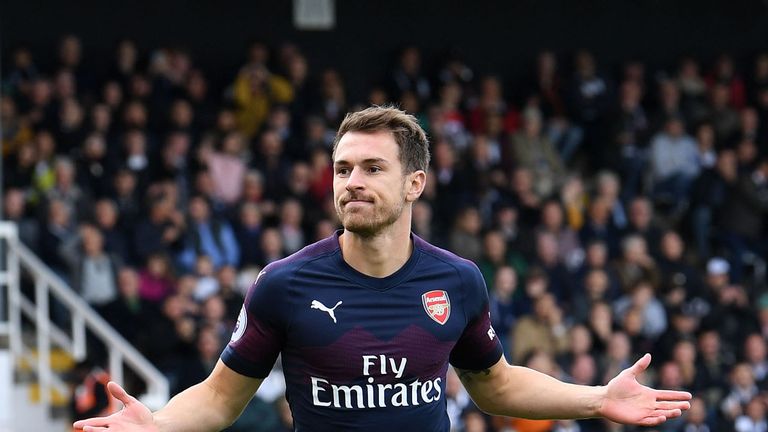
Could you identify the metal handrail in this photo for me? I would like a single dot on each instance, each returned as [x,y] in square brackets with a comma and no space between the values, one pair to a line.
[46,282]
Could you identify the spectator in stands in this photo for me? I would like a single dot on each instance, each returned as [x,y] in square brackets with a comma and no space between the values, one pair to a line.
[636,264]
[589,102]
[641,221]
[596,289]
[58,229]
[712,367]
[207,235]
[675,270]
[640,297]
[408,77]
[674,164]
[544,330]
[496,255]
[248,231]
[115,237]
[569,249]
[161,231]
[502,306]
[742,390]
[255,91]
[66,190]
[291,230]
[532,150]
[271,246]
[463,238]
[129,314]
[227,168]
[226,279]
[630,131]
[743,223]
[697,419]
[15,210]
[709,194]
[92,271]
[156,280]
[599,227]
[93,172]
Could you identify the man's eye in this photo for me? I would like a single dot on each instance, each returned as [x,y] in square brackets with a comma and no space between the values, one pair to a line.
[374,169]
[342,171]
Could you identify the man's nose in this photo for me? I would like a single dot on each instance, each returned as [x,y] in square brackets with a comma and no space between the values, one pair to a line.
[355,180]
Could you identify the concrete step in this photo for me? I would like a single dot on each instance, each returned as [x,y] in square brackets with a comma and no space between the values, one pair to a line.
[61,362]
[31,417]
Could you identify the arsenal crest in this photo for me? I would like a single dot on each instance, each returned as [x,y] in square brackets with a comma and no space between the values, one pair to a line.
[437,305]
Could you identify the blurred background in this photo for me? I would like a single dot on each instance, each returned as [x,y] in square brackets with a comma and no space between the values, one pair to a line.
[605,164]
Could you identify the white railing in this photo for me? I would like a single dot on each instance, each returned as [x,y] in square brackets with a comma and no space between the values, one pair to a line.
[120,352]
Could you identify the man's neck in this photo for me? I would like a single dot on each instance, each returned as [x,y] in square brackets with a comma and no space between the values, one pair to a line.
[380,255]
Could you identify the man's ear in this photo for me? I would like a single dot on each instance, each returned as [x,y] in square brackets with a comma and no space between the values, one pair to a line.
[415,184]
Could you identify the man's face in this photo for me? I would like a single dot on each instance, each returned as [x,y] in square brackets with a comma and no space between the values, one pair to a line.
[369,186]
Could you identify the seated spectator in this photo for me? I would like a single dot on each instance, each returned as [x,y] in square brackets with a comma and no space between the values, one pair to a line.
[756,355]
[495,256]
[161,231]
[115,238]
[596,289]
[636,264]
[228,169]
[15,210]
[544,330]
[208,235]
[254,91]
[93,271]
[271,247]
[742,390]
[569,249]
[618,356]
[743,221]
[291,228]
[533,151]
[674,164]
[502,306]
[674,269]
[206,284]
[641,297]
[156,279]
[753,419]
[641,221]
[463,238]
[129,314]
[599,227]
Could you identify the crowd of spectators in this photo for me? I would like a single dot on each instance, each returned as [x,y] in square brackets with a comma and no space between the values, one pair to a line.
[612,212]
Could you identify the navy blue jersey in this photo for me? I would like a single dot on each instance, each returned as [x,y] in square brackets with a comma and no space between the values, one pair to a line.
[365,353]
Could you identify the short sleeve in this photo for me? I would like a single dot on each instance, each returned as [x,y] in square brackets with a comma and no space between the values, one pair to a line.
[478,347]
[259,334]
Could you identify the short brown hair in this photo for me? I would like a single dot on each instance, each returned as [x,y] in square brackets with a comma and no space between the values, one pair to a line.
[409,136]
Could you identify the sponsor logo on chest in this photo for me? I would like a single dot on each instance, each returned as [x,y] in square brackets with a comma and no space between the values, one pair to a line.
[437,305]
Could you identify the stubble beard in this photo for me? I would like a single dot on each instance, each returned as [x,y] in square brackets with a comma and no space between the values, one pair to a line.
[366,225]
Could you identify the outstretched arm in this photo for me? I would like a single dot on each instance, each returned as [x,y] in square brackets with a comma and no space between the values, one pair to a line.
[521,392]
[208,406]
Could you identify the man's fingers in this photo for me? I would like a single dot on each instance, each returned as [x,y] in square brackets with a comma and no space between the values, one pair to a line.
[94,429]
[95,421]
[120,394]
[652,420]
[672,395]
[641,365]
[668,413]
[684,405]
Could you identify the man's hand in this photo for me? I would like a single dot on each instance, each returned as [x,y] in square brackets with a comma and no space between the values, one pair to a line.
[629,402]
[134,417]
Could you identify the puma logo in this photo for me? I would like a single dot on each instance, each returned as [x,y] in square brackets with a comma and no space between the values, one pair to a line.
[317,305]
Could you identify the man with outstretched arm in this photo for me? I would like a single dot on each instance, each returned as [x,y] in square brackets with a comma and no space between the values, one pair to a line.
[369,319]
